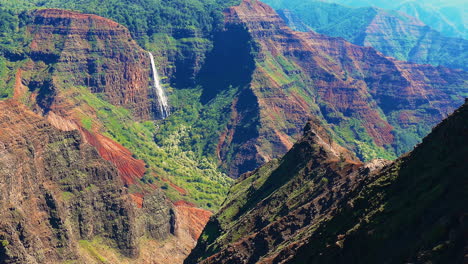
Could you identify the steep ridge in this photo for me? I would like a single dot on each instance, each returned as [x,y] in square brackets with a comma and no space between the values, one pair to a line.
[375,105]
[446,17]
[317,205]
[62,201]
[56,190]
[393,33]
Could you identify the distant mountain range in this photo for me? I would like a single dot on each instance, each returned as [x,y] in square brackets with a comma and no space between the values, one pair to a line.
[393,33]
[448,17]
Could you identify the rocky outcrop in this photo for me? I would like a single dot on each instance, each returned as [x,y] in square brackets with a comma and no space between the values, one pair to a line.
[383,103]
[69,51]
[275,204]
[318,205]
[56,190]
[88,50]
[70,55]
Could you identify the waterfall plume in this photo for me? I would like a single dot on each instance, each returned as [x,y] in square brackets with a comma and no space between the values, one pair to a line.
[159,91]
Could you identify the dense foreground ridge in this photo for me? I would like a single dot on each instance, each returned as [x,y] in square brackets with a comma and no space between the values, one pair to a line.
[318,205]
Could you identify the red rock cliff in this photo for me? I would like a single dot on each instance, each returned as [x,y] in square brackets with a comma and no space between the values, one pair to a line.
[298,74]
[88,50]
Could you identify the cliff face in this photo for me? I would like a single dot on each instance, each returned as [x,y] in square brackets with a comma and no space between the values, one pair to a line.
[273,203]
[318,205]
[87,50]
[69,51]
[383,103]
[85,80]
[56,190]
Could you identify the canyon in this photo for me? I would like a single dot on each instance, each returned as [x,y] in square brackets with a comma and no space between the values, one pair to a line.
[119,143]
[318,204]
[384,104]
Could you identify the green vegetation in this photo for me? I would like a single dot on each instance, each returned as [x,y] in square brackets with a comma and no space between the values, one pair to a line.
[180,149]
[407,212]
[197,126]
[327,18]
[4,243]
[392,206]
[149,21]
[90,247]
[390,32]
[347,131]
[13,42]
[170,156]
[67,196]
[351,133]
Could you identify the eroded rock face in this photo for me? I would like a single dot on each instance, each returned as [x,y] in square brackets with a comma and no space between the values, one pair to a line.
[55,190]
[88,50]
[88,175]
[70,51]
[318,205]
[273,205]
[297,74]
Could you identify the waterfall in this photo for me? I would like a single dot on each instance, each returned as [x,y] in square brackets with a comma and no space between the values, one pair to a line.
[162,99]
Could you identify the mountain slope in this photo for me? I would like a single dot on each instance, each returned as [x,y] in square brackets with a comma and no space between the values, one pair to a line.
[316,205]
[57,190]
[86,72]
[447,17]
[254,87]
[178,32]
[392,33]
[375,105]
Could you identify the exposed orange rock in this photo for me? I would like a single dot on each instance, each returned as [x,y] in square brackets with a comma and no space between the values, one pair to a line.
[329,77]
[55,190]
[181,190]
[138,199]
[95,52]
[130,169]
[191,219]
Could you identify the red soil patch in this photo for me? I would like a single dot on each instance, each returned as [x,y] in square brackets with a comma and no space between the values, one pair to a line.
[192,219]
[138,199]
[184,203]
[129,168]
